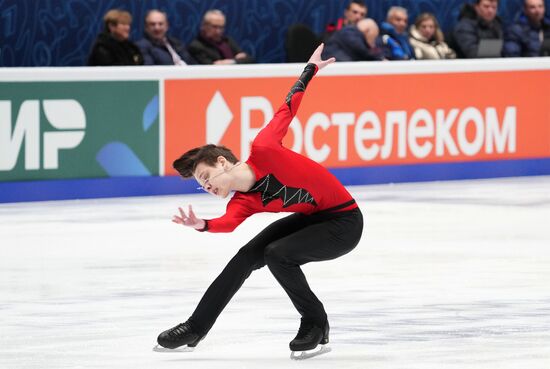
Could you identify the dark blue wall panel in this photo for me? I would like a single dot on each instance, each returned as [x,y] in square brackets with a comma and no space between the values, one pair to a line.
[61,32]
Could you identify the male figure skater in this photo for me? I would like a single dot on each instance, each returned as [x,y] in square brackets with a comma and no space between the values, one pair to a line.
[326,223]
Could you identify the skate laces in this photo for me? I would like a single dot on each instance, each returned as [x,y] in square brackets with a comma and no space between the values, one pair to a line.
[179,329]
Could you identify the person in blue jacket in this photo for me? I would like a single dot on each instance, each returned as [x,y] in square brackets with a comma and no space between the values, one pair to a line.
[526,35]
[157,47]
[395,38]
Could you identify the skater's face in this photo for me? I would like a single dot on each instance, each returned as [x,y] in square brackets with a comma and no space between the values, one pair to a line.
[216,179]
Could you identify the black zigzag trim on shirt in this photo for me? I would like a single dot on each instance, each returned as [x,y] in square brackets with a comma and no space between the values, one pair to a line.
[272,189]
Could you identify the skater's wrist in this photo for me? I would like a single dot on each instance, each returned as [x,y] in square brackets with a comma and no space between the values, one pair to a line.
[202,226]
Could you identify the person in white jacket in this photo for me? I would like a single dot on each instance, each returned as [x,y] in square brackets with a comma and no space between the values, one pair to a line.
[427,39]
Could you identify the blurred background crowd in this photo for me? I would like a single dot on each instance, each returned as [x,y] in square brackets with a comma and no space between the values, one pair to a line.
[187,32]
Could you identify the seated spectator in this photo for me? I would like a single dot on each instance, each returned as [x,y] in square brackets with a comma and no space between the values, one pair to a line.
[212,47]
[427,39]
[113,45]
[354,12]
[476,22]
[354,43]
[395,39]
[525,36]
[157,47]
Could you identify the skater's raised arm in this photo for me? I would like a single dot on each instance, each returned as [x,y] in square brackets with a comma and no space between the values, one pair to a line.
[278,126]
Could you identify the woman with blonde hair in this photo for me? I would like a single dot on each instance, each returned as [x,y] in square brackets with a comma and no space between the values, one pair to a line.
[113,46]
[427,39]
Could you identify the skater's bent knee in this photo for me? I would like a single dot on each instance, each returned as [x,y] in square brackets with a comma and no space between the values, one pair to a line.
[249,256]
[273,253]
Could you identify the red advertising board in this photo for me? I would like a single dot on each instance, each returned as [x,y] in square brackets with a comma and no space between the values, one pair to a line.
[350,121]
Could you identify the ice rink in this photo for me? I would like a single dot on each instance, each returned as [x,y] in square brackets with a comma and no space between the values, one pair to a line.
[447,275]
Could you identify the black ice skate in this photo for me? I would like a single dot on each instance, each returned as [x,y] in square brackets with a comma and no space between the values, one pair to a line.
[309,336]
[180,335]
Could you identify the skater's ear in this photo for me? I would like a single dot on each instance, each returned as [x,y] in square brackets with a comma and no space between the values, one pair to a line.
[222,160]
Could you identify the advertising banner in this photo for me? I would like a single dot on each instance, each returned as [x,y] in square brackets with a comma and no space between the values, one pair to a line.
[352,121]
[80,129]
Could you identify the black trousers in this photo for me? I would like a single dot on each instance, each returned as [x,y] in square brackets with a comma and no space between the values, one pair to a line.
[284,245]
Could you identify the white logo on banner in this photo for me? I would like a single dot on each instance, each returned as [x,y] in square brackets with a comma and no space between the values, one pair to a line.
[66,116]
[378,135]
[218,118]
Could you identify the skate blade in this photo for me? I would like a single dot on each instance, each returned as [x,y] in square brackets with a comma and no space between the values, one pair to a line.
[159,348]
[303,355]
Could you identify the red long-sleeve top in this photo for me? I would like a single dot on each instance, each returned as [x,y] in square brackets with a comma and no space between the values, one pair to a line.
[285,180]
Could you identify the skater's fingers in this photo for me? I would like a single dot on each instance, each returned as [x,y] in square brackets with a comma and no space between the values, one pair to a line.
[192,215]
[324,63]
[317,53]
[183,216]
[316,58]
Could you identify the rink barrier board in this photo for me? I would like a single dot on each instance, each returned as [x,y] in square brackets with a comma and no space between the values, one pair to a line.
[393,120]
[530,158]
[173,185]
[78,129]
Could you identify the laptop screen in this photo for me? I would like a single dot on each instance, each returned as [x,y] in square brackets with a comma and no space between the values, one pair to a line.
[489,48]
[545,48]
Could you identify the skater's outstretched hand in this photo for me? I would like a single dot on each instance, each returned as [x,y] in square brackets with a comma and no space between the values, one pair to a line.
[189,219]
[316,58]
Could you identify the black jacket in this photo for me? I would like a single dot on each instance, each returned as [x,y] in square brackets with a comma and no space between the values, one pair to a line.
[470,29]
[349,44]
[206,53]
[109,51]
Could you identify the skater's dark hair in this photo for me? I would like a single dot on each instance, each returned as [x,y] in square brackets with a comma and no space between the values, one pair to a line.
[207,154]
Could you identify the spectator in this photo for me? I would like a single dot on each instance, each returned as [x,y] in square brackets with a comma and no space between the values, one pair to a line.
[354,43]
[212,47]
[427,39]
[157,47]
[476,22]
[395,39]
[525,36]
[354,12]
[113,45]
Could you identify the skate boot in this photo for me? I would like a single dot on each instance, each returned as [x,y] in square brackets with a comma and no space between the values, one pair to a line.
[308,338]
[181,334]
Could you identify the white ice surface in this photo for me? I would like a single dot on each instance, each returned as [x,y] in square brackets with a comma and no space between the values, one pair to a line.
[447,275]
